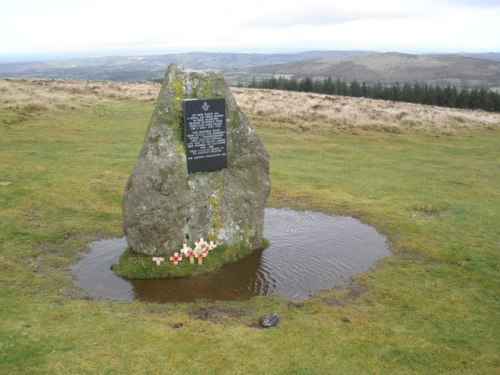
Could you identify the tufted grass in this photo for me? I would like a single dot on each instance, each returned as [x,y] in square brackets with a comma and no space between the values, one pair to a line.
[431,308]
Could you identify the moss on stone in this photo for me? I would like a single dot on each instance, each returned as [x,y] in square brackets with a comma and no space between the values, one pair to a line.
[207,90]
[181,149]
[176,86]
[215,204]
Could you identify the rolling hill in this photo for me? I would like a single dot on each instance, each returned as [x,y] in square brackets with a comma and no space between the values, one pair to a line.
[388,68]
[465,70]
[134,68]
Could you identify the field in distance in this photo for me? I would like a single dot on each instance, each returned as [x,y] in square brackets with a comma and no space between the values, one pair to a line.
[279,109]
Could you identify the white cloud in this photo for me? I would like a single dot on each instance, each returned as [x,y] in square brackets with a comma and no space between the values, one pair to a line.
[110,25]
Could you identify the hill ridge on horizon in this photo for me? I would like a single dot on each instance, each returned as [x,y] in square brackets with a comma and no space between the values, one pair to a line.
[394,67]
[463,69]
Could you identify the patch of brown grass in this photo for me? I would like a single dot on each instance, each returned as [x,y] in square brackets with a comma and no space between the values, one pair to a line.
[42,94]
[305,111]
[273,108]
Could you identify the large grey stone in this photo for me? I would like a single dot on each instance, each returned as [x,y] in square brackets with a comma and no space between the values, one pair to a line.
[164,206]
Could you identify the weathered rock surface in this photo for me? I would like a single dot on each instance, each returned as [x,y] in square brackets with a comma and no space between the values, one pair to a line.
[164,206]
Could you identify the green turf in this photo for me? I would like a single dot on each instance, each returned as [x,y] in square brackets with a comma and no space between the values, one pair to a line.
[432,308]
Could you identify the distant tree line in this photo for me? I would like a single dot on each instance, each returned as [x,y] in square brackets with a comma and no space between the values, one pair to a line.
[449,96]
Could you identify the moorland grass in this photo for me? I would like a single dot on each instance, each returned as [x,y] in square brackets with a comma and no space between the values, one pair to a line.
[431,308]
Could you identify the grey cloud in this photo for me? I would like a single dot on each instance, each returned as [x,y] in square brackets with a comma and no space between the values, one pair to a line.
[321,17]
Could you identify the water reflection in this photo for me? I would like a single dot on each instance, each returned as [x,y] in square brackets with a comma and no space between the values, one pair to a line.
[235,281]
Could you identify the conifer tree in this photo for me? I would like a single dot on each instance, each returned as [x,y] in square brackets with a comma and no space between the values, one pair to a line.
[448,96]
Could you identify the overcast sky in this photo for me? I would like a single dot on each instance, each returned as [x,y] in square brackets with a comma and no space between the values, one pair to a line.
[117,26]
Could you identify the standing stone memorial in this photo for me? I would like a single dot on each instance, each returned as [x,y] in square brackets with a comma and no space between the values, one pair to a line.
[202,170]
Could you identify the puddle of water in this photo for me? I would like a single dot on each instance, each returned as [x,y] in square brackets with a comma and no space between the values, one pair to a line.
[309,251]
[93,272]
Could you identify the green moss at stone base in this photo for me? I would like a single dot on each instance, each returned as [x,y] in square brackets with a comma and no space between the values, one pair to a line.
[265,243]
[138,266]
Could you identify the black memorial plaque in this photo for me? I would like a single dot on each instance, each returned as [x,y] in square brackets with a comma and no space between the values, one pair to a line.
[205,134]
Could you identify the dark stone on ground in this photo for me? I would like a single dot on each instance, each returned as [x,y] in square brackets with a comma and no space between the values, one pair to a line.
[267,321]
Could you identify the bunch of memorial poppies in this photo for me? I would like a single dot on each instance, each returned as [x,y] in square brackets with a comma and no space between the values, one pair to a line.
[201,250]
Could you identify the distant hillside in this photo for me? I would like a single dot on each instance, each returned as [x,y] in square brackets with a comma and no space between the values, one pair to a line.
[465,70]
[134,68]
[388,68]
[494,56]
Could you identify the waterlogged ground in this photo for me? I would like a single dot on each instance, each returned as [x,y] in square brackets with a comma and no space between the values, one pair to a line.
[309,251]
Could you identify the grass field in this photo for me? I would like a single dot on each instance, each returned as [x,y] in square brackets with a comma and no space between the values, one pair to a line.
[431,308]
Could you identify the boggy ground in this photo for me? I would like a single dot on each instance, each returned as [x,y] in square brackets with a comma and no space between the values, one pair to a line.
[432,308]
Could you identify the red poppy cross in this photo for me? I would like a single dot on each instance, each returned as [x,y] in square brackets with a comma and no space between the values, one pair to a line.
[176,258]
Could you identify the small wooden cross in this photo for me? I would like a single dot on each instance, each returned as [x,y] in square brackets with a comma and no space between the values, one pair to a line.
[176,258]
[200,257]
[158,260]
[190,253]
